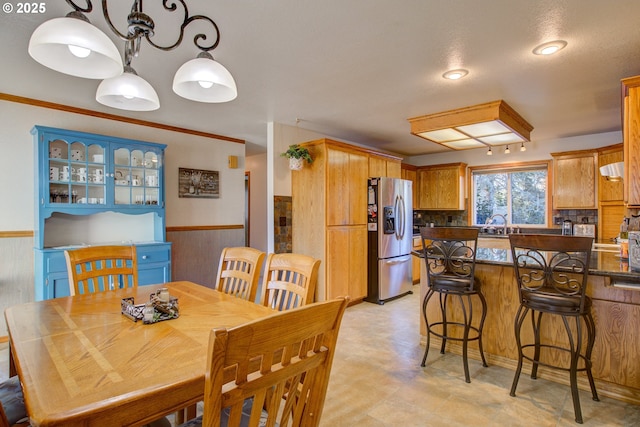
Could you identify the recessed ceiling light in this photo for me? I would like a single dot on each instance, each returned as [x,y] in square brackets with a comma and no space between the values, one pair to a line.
[455,74]
[550,48]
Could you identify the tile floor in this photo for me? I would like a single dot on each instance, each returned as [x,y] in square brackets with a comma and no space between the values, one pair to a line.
[377,381]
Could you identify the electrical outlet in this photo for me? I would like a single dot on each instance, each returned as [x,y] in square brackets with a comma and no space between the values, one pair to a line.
[449,218]
[283,221]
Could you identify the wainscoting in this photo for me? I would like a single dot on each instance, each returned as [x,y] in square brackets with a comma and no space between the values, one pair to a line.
[16,272]
[195,252]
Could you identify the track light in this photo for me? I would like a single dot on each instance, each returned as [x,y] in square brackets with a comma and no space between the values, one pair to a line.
[489,153]
[523,148]
[506,150]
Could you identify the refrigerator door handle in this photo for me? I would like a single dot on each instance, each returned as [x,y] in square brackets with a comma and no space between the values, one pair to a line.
[399,218]
[404,216]
[398,260]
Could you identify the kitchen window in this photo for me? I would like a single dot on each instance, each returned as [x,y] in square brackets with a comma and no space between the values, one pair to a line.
[519,193]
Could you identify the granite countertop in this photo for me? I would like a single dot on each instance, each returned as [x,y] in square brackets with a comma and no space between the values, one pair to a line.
[603,263]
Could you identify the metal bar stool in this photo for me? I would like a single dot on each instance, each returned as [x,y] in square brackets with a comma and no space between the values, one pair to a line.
[551,272]
[450,257]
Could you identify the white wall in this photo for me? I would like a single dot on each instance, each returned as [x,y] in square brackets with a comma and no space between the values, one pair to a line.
[183,150]
[257,165]
[536,150]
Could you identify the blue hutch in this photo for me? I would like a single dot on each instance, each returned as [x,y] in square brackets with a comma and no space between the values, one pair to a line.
[95,189]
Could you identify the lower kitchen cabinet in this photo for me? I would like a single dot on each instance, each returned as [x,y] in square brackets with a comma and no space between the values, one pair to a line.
[346,259]
[154,266]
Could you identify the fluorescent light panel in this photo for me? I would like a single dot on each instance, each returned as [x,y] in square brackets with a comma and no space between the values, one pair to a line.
[490,124]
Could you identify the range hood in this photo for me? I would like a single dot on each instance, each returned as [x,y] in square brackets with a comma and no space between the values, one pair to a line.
[613,171]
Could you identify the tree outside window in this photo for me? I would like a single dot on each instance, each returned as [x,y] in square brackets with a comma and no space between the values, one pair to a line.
[518,194]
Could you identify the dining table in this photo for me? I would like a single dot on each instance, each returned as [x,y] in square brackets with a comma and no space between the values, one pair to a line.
[81,362]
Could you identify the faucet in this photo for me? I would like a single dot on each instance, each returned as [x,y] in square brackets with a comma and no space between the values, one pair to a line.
[504,222]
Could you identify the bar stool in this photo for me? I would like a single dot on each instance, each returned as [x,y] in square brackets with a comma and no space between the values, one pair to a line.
[450,257]
[551,272]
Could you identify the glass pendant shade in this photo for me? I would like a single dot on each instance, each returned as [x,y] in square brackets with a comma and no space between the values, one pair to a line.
[73,46]
[204,80]
[128,91]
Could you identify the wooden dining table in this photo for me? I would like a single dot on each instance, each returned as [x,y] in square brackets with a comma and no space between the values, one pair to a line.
[82,363]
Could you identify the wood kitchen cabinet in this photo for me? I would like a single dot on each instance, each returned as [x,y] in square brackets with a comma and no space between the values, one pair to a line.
[409,173]
[631,137]
[610,191]
[383,166]
[575,180]
[329,205]
[441,187]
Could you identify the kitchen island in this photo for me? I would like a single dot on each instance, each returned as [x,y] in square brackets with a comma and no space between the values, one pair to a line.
[615,292]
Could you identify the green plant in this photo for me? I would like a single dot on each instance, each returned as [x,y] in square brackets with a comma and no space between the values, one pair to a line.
[298,152]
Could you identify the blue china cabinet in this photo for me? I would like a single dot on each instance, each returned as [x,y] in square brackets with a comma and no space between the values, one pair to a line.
[95,189]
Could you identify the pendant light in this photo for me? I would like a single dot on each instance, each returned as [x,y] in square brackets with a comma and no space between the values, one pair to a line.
[128,91]
[71,45]
[204,80]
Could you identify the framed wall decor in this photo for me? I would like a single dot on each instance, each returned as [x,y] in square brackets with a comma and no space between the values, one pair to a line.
[198,183]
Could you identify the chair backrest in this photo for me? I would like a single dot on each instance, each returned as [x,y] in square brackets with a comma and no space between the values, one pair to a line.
[260,361]
[450,255]
[542,263]
[101,268]
[289,280]
[239,272]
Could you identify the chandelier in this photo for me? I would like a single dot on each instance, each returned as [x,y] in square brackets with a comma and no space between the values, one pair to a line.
[72,45]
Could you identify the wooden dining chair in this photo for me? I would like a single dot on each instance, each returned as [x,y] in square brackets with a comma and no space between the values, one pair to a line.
[250,367]
[101,268]
[12,409]
[239,272]
[289,281]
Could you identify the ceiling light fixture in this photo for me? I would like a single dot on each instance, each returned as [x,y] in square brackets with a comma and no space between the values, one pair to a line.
[550,48]
[489,153]
[455,74]
[506,150]
[72,45]
[484,125]
[523,148]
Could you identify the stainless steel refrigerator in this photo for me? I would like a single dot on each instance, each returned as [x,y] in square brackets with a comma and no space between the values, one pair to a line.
[390,228]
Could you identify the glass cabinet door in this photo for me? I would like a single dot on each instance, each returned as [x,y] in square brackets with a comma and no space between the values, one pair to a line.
[76,173]
[137,177]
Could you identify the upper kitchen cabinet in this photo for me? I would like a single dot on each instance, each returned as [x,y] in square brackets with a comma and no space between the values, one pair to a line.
[631,136]
[575,180]
[409,172]
[441,187]
[384,166]
[610,191]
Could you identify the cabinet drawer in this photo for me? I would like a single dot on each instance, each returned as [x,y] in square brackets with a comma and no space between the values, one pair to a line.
[153,254]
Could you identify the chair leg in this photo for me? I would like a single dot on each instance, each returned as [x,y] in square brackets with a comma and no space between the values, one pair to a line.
[427,297]
[443,309]
[591,340]
[573,368]
[520,318]
[536,333]
[481,326]
[465,338]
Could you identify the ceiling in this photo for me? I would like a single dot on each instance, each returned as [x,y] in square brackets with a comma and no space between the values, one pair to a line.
[356,70]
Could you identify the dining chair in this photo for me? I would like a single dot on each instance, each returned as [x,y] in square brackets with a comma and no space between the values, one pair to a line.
[251,366]
[239,272]
[289,280]
[552,274]
[450,258]
[101,268]
[12,409]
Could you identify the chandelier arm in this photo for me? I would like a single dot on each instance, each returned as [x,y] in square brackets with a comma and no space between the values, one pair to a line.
[77,8]
[188,20]
[105,12]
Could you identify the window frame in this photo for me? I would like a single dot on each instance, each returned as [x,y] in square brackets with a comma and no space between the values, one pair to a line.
[511,167]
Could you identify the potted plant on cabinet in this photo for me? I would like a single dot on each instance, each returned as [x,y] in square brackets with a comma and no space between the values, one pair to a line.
[296,155]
